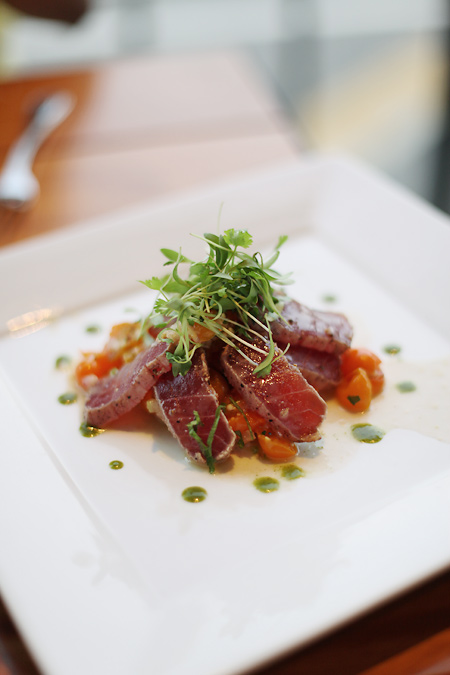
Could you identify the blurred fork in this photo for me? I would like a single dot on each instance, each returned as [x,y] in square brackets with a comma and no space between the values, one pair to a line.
[19,187]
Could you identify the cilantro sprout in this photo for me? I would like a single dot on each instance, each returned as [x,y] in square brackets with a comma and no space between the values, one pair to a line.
[229,292]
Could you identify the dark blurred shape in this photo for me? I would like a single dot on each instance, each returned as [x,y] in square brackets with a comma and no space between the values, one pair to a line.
[441,196]
[69,11]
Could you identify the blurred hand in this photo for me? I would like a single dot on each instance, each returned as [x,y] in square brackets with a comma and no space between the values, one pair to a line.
[59,10]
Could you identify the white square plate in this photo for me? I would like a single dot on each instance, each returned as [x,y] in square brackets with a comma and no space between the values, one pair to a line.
[111,571]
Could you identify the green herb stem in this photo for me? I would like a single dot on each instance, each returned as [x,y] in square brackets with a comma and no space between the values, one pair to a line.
[228,280]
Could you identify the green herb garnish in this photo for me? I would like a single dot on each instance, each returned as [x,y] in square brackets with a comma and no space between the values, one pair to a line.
[239,409]
[230,293]
[206,448]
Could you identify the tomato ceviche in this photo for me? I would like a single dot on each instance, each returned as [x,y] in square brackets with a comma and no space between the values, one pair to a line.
[227,358]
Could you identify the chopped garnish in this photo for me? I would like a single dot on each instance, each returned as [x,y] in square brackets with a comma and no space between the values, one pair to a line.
[206,448]
[239,409]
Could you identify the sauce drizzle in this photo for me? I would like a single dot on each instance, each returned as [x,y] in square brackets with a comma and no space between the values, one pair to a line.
[367,433]
[194,494]
[89,432]
[406,386]
[67,398]
[266,484]
[392,349]
[292,472]
[62,362]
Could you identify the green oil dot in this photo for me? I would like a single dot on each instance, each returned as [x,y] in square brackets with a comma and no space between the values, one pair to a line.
[116,464]
[67,398]
[93,328]
[329,298]
[266,484]
[292,471]
[63,362]
[88,431]
[194,494]
[392,349]
[405,387]
[367,433]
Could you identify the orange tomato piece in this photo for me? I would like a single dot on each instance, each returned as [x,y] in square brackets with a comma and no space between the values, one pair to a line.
[125,340]
[360,357]
[219,384]
[354,392]
[240,422]
[96,364]
[276,448]
[201,333]
[125,332]
[273,446]
[377,380]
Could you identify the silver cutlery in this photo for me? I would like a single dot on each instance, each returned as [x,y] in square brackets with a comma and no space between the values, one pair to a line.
[19,187]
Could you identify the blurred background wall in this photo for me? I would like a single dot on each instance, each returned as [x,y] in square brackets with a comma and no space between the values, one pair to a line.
[357,76]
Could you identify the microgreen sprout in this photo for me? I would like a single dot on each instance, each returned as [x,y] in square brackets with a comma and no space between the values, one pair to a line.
[230,293]
[239,409]
[206,448]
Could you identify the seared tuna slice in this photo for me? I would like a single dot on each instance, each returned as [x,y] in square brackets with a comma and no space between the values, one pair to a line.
[320,369]
[283,397]
[112,397]
[324,331]
[180,398]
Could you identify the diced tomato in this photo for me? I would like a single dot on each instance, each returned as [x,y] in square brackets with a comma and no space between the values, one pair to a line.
[99,365]
[124,331]
[240,422]
[360,357]
[354,392]
[219,384]
[276,448]
[201,333]
[377,380]
[125,339]
[273,446]
[123,345]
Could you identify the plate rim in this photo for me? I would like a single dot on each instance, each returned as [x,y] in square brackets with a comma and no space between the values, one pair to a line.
[14,597]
